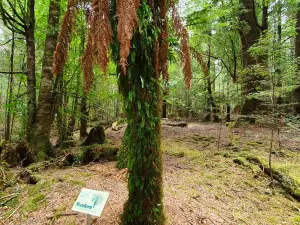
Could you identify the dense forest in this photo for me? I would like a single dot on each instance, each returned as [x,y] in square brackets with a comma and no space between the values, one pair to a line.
[184,111]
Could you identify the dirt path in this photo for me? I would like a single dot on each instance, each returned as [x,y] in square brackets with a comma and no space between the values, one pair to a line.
[202,184]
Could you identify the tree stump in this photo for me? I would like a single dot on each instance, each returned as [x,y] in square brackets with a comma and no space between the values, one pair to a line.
[28,177]
[68,160]
[96,136]
[24,153]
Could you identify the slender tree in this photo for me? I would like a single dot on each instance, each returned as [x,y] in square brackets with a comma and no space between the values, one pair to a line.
[44,117]
[23,22]
[297,39]
[10,87]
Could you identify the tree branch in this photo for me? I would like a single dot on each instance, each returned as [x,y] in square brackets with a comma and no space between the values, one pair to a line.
[8,72]
[13,8]
[7,16]
[254,15]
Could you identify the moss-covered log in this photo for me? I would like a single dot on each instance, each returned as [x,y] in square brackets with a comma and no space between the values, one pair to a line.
[286,182]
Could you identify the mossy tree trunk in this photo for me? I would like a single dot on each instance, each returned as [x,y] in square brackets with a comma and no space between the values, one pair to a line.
[142,94]
[249,37]
[31,79]
[297,39]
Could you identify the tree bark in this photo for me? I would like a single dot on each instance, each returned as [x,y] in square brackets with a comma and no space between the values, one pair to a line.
[61,115]
[10,94]
[297,40]
[249,37]
[73,118]
[265,15]
[165,103]
[44,117]
[84,113]
[209,85]
[84,116]
[31,79]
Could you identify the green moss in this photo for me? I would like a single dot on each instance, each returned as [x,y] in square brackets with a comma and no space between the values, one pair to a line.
[290,185]
[296,219]
[41,156]
[77,183]
[123,153]
[254,143]
[241,161]
[33,203]
[57,212]
[200,138]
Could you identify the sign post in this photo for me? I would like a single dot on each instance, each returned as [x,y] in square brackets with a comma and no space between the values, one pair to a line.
[90,202]
[89,219]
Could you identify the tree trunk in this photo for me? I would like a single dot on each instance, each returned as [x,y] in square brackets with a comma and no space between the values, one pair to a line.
[209,86]
[61,115]
[44,119]
[165,103]
[265,15]
[84,115]
[72,122]
[248,38]
[142,92]
[228,111]
[297,40]
[10,94]
[31,80]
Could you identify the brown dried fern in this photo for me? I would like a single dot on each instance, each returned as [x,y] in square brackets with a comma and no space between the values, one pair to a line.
[199,58]
[186,61]
[127,23]
[163,39]
[64,38]
[99,40]
[182,33]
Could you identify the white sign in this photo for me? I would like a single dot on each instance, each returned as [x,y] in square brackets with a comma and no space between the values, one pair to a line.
[90,202]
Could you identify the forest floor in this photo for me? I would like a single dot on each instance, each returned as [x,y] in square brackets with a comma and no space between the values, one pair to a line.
[202,182]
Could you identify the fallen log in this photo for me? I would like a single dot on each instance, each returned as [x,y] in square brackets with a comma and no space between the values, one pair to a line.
[287,183]
[176,124]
